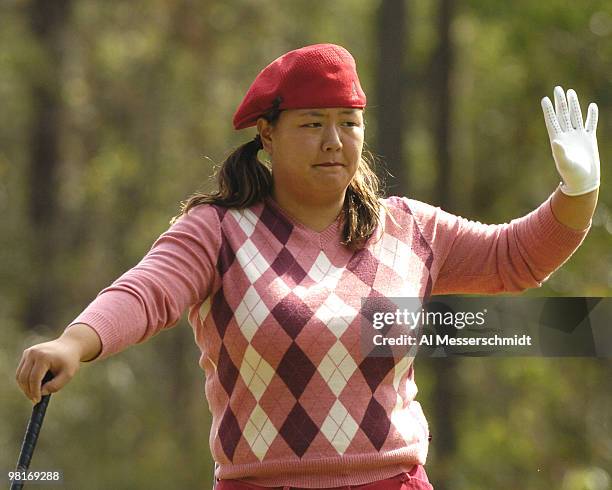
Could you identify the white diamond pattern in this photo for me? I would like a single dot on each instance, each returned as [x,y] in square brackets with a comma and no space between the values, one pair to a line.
[246,219]
[336,314]
[404,421]
[324,273]
[255,372]
[259,432]
[279,287]
[401,417]
[301,291]
[252,262]
[205,308]
[339,427]
[251,313]
[400,370]
[337,367]
[394,253]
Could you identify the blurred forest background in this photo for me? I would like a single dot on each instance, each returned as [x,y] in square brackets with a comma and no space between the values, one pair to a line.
[115,111]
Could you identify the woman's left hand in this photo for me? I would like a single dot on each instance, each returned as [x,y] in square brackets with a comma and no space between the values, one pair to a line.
[574,145]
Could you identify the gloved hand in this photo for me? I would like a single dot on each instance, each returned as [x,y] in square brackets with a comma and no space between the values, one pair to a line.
[574,146]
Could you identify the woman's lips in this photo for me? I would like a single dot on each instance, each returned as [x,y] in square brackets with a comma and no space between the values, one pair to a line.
[329,164]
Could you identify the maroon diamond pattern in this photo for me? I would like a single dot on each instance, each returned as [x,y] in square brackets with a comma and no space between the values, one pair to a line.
[296,369]
[226,256]
[420,246]
[227,371]
[285,263]
[221,312]
[422,249]
[375,424]
[292,314]
[221,211]
[298,430]
[296,274]
[277,224]
[363,265]
[374,369]
[374,304]
[229,433]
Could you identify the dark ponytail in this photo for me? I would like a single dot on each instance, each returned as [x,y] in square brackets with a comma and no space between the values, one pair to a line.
[242,180]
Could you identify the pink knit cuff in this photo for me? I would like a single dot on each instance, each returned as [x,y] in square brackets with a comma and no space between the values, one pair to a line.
[104,329]
[561,240]
[560,232]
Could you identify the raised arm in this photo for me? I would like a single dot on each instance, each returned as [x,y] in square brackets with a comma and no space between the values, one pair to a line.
[477,258]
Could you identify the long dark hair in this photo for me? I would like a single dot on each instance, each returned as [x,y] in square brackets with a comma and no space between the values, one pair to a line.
[244,180]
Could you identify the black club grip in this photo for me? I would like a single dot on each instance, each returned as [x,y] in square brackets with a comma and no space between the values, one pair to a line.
[31,436]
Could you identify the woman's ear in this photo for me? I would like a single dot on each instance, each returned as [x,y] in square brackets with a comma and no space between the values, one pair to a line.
[264,128]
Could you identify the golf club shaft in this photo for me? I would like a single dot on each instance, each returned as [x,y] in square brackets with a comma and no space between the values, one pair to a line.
[31,436]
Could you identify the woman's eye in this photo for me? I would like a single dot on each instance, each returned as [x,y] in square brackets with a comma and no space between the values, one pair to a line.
[351,124]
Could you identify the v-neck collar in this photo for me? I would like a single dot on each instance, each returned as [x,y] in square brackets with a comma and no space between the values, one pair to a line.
[329,235]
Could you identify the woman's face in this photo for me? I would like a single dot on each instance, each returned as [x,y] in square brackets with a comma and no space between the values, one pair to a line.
[314,152]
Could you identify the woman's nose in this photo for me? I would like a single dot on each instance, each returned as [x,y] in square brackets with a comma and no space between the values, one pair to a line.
[331,139]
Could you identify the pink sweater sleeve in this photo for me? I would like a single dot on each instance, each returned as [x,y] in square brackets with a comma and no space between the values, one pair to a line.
[474,258]
[177,272]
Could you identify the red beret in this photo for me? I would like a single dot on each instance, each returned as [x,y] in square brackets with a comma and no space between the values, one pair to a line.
[321,75]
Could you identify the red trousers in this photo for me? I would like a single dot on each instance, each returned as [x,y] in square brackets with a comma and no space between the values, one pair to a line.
[415,479]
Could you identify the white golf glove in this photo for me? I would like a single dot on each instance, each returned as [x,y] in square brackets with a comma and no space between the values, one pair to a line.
[574,146]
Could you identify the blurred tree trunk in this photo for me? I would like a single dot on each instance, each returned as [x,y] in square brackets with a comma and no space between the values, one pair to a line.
[48,21]
[446,390]
[440,84]
[391,34]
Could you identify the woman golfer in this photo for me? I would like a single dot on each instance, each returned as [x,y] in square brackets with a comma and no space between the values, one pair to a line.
[273,268]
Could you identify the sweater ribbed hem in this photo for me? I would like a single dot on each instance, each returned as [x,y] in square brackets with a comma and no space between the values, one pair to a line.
[561,240]
[328,472]
[558,231]
[105,330]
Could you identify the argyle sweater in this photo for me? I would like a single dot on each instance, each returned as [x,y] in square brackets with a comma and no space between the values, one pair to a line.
[275,309]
